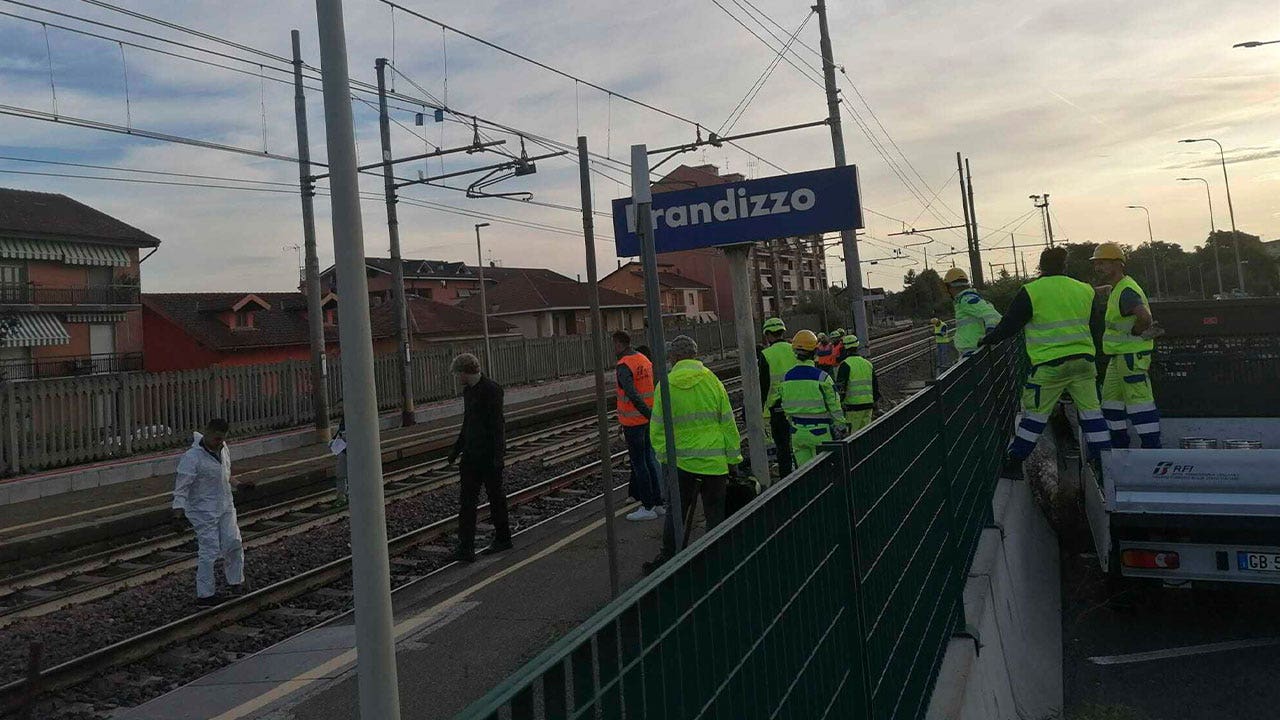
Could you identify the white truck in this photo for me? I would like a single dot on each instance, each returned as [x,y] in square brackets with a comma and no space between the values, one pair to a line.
[1207,506]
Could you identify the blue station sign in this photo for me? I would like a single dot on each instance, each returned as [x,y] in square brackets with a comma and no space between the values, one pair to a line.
[805,203]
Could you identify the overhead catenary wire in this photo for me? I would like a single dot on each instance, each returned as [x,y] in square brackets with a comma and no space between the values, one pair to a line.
[741,108]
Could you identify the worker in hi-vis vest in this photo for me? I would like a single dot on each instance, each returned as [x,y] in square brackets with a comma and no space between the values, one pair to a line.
[856,385]
[1127,342]
[774,360]
[975,317]
[1054,313]
[809,399]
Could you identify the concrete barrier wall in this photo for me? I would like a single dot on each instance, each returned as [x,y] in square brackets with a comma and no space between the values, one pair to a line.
[1011,667]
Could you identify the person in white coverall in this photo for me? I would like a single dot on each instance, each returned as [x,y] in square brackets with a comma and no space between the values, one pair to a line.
[202,493]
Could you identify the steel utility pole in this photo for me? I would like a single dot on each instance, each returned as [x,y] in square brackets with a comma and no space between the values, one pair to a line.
[375,635]
[404,349]
[484,305]
[1013,244]
[968,223]
[975,251]
[602,361]
[642,196]
[315,315]
[848,242]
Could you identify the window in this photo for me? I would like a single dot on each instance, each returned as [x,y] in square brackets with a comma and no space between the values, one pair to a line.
[11,274]
[331,316]
[100,276]
[243,320]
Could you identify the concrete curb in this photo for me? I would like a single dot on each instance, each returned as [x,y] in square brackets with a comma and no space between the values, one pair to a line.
[1012,666]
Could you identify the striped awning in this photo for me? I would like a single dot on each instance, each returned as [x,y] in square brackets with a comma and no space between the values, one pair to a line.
[67,252]
[35,329]
[95,317]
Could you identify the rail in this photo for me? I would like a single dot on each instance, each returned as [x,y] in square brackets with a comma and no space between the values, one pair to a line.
[832,595]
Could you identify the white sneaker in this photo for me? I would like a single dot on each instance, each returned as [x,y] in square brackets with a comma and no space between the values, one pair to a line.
[642,513]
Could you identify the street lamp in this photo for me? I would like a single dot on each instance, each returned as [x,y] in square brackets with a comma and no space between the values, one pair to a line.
[1255,43]
[1152,240]
[1217,262]
[484,306]
[1230,209]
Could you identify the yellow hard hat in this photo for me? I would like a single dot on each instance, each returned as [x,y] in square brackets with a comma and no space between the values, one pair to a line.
[955,275]
[1108,251]
[805,340]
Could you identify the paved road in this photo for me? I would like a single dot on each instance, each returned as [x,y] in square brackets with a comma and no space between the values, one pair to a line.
[1238,683]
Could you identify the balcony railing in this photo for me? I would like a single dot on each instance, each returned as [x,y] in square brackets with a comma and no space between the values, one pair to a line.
[70,366]
[72,296]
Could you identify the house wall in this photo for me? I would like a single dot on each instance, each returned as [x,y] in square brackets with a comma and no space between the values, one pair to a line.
[445,291]
[624,282]
[168,347]
[709,267]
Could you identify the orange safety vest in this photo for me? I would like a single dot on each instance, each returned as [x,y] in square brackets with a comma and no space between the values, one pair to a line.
[642,372]
[826,356]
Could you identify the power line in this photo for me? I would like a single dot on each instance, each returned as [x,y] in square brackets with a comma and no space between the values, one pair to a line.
[741,108]
[166,173]
[565,74]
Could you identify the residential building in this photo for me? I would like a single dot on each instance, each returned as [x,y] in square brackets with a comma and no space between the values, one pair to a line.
[781,269]
[682,298]
[544,303]
[69,288]
[439,280]
[197,330]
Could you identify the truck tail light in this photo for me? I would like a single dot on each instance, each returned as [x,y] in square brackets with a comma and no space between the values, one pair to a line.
[1150,559]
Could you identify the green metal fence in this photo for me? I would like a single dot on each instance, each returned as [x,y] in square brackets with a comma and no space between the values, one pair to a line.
[832,595]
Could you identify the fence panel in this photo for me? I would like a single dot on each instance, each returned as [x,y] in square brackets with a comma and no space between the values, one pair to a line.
[833,595]
[754,623]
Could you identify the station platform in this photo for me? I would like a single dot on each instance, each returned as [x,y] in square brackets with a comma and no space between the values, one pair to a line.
[458,632]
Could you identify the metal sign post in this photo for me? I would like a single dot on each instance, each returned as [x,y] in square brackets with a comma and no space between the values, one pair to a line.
[601,358]
[643,205]
[371,582]
[745,328]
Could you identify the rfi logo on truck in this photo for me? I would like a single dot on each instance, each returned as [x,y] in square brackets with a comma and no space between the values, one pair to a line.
[1167,468]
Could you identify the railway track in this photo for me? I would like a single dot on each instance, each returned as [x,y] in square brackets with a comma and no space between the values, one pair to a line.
[51,589]
[98,575]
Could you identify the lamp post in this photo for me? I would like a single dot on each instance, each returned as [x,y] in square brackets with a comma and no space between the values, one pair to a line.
[1217,262]
[1230,208]
[1255,43]
[484,306]
[1155,273]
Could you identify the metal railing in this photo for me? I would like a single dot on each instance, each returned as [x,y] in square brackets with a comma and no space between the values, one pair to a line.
[70,366]
[833,595]
[73,295]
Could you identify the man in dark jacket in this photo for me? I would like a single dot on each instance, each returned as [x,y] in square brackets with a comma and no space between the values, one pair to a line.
[480,446]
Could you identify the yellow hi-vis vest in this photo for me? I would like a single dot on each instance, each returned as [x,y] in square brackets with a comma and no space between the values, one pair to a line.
[861,389]
[1059,326]
[707,439]
[781,357]
[1118,339]
[974,317]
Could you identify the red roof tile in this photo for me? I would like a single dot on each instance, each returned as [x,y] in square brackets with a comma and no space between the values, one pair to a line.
[50,216]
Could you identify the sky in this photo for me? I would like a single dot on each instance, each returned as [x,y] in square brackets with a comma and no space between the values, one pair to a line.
[1084,101]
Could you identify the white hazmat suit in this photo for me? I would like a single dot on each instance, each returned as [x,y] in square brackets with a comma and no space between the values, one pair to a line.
[203,493]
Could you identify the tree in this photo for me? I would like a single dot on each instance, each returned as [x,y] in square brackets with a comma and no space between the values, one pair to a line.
[1261,272]
[924,297]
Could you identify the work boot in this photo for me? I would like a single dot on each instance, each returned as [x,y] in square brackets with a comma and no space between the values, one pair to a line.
[1012,469]
[496,547]
[461,554]
[238,590]
[650,565]
[210,601]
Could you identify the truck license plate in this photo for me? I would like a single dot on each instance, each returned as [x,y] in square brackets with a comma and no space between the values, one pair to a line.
[1259,562]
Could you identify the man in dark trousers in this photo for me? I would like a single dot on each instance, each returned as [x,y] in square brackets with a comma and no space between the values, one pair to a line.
[480,446]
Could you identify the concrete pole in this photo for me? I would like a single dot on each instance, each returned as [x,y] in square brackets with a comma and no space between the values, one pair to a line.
[1048,219]
[602,361]
[1231,211]
[752,403]
[848,242]
[404,351]
[975,249]
[642,196]
[484,305]
[375,636]
[315,315]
